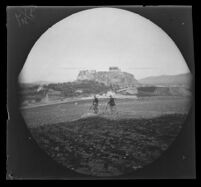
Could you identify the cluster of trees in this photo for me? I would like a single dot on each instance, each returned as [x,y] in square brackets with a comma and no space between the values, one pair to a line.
[87,86]
[67,89]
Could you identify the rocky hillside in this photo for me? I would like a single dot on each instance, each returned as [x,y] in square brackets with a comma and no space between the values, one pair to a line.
[114,78]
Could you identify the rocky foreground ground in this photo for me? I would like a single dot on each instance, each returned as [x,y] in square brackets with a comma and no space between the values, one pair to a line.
[103,147]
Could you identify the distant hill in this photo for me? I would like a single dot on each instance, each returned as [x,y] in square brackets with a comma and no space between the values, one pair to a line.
[183,80]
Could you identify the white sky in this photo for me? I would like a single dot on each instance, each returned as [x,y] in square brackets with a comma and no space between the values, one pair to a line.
[98,38]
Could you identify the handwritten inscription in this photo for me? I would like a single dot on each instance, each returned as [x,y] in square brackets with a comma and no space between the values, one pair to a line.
[25,15]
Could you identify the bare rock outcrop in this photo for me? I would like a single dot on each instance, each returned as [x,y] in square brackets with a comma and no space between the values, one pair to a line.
[114,77]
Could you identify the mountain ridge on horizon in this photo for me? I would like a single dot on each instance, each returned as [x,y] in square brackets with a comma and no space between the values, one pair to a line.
[164,75]
[179,79]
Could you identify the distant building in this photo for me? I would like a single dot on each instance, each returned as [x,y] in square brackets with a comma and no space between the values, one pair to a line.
[114,69]
[128,91]
[78,91]
[52,95]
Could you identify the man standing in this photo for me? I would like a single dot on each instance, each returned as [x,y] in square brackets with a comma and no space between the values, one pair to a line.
[95,105]
[111,103]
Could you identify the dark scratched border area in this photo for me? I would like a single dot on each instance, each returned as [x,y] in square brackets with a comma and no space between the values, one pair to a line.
[25,160]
